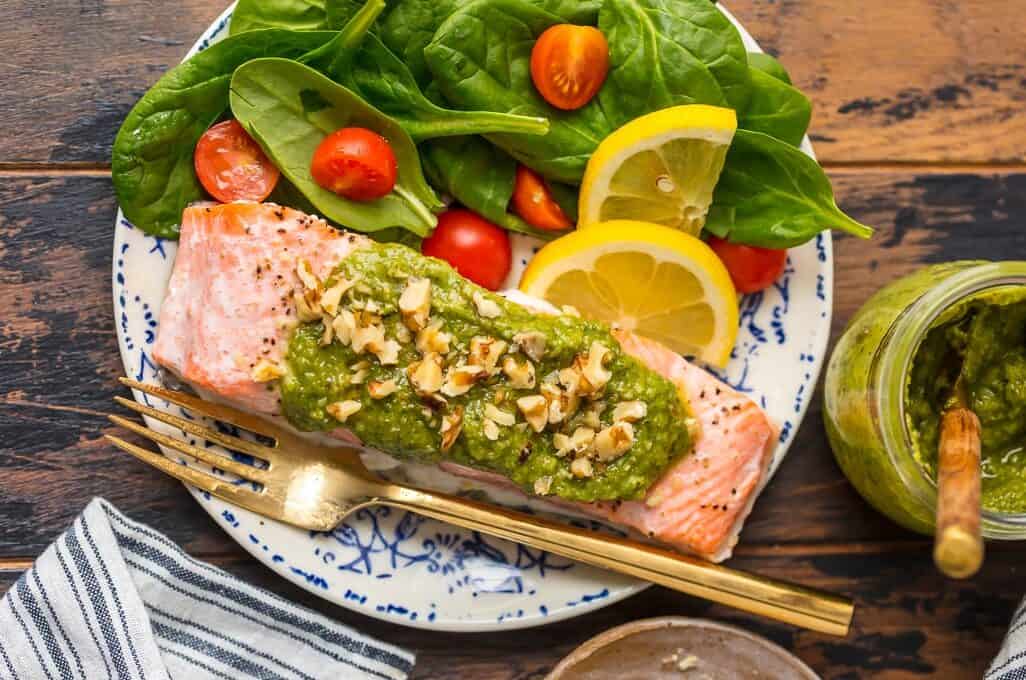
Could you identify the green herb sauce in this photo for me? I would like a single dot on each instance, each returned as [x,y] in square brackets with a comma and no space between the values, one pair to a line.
[407,426]
[984,337]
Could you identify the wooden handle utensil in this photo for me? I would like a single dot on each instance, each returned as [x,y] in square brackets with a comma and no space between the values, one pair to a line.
[958,545]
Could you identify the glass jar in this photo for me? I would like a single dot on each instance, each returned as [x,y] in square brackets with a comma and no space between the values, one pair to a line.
[866,379]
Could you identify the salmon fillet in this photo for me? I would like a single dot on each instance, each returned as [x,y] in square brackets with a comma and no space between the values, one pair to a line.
[228,302]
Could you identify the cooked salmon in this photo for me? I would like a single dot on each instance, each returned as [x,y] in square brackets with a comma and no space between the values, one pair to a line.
[229,305]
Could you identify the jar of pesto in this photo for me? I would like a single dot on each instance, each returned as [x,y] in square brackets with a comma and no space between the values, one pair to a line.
[893,370]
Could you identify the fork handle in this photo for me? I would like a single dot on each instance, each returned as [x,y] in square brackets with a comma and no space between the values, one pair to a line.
[805,607]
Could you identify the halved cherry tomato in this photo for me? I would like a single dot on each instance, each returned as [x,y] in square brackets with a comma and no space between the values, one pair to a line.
[475,247]
[231,166]
[569,64]
[751,268]
[355,163]
[533,201]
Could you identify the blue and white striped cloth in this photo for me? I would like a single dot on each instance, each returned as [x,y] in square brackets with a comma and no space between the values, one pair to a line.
[112,598]
[1010,663]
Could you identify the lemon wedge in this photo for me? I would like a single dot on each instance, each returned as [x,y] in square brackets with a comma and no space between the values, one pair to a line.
[661,167]
[653,280]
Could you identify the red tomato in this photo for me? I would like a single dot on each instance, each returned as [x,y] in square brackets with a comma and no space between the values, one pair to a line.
[475,247]
[534,203]
[752,269]
[569,64]
[355,163]
[231,166]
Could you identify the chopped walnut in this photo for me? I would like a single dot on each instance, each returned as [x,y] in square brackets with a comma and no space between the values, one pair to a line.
[307,306]
[331,297]
[614,441]
[344,326]
[459,379]
[379,389]
[415,303]
[593,416]
[577,443]
[359,376]
[402,334]
[486,352]
[535,410]
[266,371]
[543,485]
[532,343]
[341,410]
[499,416]
[581,467]
[388,353]
[305,273]
[369,338]
[329,332]
[433,339]
[520,374]
[594,375]
[630,411]
[561,405]
[426,374]
[486,307]
[491,430]
[452,425]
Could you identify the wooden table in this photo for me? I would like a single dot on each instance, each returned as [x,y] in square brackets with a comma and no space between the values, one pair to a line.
[919,120]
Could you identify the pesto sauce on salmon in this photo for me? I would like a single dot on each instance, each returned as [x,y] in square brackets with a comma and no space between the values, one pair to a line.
[550,401]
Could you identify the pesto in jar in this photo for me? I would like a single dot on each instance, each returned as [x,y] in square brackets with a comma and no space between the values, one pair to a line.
[984,336]
[610,426]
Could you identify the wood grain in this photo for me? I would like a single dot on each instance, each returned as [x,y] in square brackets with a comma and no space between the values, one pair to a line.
[909,81]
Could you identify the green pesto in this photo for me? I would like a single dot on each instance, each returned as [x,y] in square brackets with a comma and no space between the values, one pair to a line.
[985,337]
[403,425]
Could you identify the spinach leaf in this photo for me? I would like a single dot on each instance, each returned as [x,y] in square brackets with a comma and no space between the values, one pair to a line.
[408,29]
[300,15]
[663,53]
[670,52]
[152,164]
[768,64]
[480,58]
[777,109]
[477,175]
[772,195]
[267,98]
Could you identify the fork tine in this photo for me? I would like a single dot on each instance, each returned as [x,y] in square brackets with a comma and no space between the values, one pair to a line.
[217,460]
[192,427]
[221,488]
[206,408]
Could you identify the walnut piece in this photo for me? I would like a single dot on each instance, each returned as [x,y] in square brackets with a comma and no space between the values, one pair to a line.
[341,410]
[535,410]
[486,307]
[415,303]
[266,371]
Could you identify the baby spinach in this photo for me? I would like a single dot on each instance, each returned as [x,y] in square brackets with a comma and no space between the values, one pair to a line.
[662,53]
[300,15]
[777,109]
[477,175]
[267,97]
[769,65]
[772,195]
[152,164]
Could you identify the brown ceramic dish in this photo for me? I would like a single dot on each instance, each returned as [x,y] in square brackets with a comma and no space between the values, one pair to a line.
[661,649]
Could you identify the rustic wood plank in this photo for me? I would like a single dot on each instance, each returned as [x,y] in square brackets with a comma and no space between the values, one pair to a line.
[59,358]
[918,80]
[909,622]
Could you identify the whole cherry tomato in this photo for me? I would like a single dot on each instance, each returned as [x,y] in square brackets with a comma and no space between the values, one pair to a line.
[751,268]
[231,166]
[475,247]
[569,64]
[355,163]
[533,201]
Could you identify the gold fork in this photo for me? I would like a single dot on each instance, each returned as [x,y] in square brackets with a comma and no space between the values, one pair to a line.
[316,487]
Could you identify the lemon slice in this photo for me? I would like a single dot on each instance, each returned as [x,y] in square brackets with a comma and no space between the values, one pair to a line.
[660,168]
[658,282]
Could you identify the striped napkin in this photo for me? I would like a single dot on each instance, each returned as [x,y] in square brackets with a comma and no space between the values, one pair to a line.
[112,598]
[1010,663]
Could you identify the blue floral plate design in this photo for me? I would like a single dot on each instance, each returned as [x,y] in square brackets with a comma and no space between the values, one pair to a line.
[409,570]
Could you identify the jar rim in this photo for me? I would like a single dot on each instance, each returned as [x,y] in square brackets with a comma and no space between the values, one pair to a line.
[894,363]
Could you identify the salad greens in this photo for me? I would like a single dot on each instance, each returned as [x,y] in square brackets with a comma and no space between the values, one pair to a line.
[152,163]
[776,109]
[289,108]
[448,83]
[772,195]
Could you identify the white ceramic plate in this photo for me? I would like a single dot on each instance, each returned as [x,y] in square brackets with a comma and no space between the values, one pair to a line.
[405,569]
